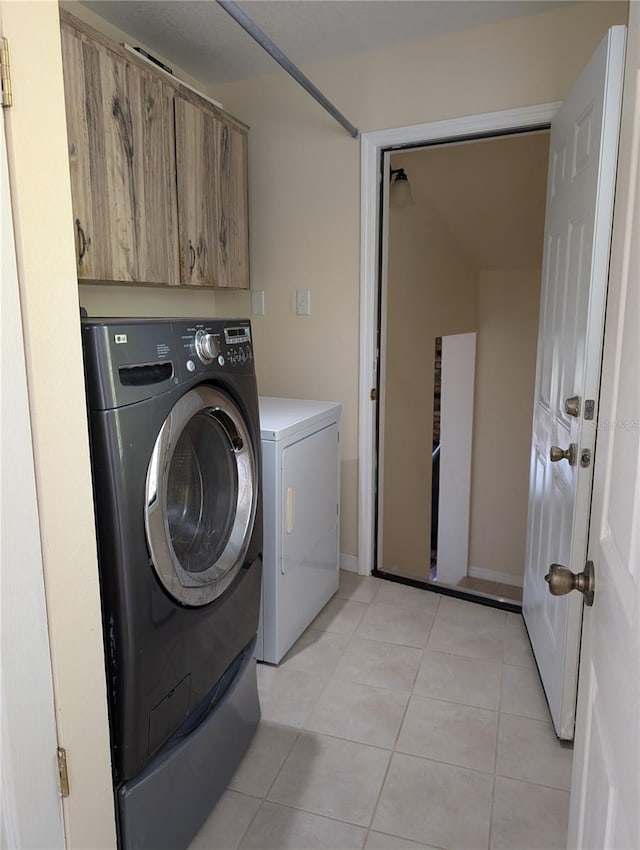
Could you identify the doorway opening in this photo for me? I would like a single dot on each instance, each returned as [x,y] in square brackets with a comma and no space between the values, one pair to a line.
[457,320]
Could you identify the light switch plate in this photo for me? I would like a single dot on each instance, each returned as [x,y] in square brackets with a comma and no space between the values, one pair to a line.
[257,302]
[303,302]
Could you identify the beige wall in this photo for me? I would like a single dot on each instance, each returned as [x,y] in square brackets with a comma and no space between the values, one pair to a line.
[305,185]
[41,200]
[431,291]
[508,304]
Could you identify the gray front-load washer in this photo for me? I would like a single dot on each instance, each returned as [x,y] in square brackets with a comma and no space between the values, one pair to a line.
[175,447]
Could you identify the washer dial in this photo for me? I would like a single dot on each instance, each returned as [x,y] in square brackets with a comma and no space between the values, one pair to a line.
[207,346]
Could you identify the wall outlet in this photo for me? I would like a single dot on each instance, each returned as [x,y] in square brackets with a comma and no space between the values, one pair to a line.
[257,302]
[303,302]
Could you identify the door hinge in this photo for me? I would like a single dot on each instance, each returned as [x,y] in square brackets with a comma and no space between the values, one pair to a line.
[5,73]
[63,773]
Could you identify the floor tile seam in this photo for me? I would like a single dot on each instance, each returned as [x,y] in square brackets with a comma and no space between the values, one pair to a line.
[495,767]
[323,679]
[350,638]
[522,667]
[412,609]
[457,655]
[325,684]
[387,642]
[405,645]
[533,784]
[284,761]
[529,666]
[387,750]
[567,790]
[491,809]
[380,790]
[404,838]
[495,754]
[566,745]
[404,715]
[452,701]
[497,658]
[524,716]
[348,633]
[455,702]
[251,821]
[442,761]
[346,681]
[316,813]
[463,632]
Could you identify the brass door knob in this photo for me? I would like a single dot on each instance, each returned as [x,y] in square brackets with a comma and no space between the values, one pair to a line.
[572,406]
[561,581]
[556,454]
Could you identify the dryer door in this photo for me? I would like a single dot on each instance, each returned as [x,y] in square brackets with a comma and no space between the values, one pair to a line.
[201,494]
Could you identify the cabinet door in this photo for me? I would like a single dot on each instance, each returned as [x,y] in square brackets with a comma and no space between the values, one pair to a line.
[195,133]
[232,248]
[120,131]
[211,162]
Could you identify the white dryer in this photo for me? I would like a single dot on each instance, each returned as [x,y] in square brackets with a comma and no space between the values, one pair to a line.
[301,498]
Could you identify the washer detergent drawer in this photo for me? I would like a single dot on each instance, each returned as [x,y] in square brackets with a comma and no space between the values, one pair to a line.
[164,806]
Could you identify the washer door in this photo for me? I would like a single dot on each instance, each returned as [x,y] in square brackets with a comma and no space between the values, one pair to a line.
[201,495]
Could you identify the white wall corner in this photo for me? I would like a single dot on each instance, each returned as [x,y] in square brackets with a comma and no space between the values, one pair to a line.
[349,563]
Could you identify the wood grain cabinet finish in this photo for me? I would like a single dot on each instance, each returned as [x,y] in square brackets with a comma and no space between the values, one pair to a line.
[158,174]
[211,156]
[122,163]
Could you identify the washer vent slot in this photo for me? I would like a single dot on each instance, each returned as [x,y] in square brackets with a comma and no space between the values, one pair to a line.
[142,376]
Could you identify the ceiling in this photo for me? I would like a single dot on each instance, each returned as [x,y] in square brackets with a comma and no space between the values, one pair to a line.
[202,39]
[490,194]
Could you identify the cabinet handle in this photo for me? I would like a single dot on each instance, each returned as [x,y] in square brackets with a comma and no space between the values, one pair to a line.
[83,242]
[192,257]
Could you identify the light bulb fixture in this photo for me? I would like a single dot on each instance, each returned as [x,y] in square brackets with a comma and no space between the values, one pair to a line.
[400,189]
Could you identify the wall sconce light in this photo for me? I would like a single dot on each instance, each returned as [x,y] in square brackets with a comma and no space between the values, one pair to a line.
[400,189]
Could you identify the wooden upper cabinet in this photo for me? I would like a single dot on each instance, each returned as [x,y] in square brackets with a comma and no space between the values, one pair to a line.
[211,162]
[232,197]
[121,156]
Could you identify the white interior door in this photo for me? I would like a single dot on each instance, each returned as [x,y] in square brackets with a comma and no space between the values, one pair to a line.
[31,808]
[605,793]
[582,167]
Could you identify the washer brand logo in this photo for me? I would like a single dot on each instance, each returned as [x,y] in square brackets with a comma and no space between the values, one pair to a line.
[120,338]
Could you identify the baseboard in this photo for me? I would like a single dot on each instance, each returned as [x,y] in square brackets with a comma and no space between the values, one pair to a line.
[494,575]
[349,563]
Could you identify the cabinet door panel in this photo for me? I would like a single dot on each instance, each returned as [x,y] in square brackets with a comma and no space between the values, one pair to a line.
[197,216]
[211,161]
[119,122]
[232,254]
[153,178]
[82,150]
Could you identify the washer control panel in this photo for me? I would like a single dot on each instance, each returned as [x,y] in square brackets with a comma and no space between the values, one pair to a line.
[216,344]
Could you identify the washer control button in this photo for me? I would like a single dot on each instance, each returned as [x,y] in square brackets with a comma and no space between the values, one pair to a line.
[221,360]
[191,366]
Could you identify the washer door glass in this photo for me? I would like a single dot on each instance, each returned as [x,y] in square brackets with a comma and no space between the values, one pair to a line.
[201,494]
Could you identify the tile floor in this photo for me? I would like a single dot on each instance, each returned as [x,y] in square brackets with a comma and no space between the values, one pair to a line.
[400,719]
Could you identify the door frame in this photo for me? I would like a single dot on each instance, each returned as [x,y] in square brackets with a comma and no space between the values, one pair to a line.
[372,147]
